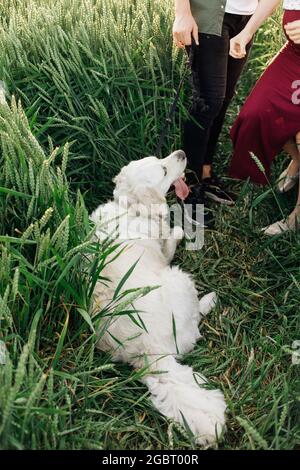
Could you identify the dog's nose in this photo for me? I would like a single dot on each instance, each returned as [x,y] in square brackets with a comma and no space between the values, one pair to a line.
[180,155]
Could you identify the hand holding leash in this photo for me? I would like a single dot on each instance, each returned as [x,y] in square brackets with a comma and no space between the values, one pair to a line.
[185,27]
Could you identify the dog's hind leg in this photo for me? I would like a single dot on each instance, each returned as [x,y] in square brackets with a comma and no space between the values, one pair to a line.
[179,393]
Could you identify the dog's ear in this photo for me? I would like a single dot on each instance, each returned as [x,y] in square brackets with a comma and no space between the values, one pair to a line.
[121,184]
[120,179]
[139,198]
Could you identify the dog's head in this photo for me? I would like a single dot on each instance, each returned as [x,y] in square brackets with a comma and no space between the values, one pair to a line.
[147,181]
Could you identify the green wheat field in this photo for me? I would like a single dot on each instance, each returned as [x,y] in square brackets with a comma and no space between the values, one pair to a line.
[89,84]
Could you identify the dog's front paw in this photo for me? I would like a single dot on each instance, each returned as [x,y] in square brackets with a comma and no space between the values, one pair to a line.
[208,303]
[177,233]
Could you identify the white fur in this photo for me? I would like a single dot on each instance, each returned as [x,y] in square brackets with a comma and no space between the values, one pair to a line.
[207,303]
[175,389]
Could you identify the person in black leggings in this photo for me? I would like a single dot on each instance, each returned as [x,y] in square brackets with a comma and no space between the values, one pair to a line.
[214,78]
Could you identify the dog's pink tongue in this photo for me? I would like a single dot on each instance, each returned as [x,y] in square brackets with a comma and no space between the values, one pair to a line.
[181,189]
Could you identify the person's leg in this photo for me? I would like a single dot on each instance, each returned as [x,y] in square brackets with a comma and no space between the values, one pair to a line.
[291,149]
[292,222]
[215,188]
[235,68]
[289,177]
[297,139]
[233,24]
[294,218]
[209,73]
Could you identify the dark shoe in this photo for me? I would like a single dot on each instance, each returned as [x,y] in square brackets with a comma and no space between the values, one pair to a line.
[214,189]
[194,208]
[191,178]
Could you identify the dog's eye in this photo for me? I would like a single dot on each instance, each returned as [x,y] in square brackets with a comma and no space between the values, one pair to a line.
[165,170]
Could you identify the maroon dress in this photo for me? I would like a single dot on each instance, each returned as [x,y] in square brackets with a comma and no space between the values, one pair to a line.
[271,114]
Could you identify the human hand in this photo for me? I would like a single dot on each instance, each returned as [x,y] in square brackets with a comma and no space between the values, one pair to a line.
[183,29]
[293,31]
[238,45]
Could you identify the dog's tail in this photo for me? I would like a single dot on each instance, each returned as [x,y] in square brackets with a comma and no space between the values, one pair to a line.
[178,393]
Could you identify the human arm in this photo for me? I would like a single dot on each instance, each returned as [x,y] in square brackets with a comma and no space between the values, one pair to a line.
[238,43]
[185,25]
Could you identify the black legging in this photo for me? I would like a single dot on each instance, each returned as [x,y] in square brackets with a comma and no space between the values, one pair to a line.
[214,78]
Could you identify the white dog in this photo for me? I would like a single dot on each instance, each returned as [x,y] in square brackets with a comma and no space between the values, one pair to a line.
[169,315]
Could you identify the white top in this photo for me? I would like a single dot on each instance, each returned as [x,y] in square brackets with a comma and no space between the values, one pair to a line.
[291,4]
[243,7]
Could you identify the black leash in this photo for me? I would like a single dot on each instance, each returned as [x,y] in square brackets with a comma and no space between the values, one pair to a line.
[169,118]
[189,65]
